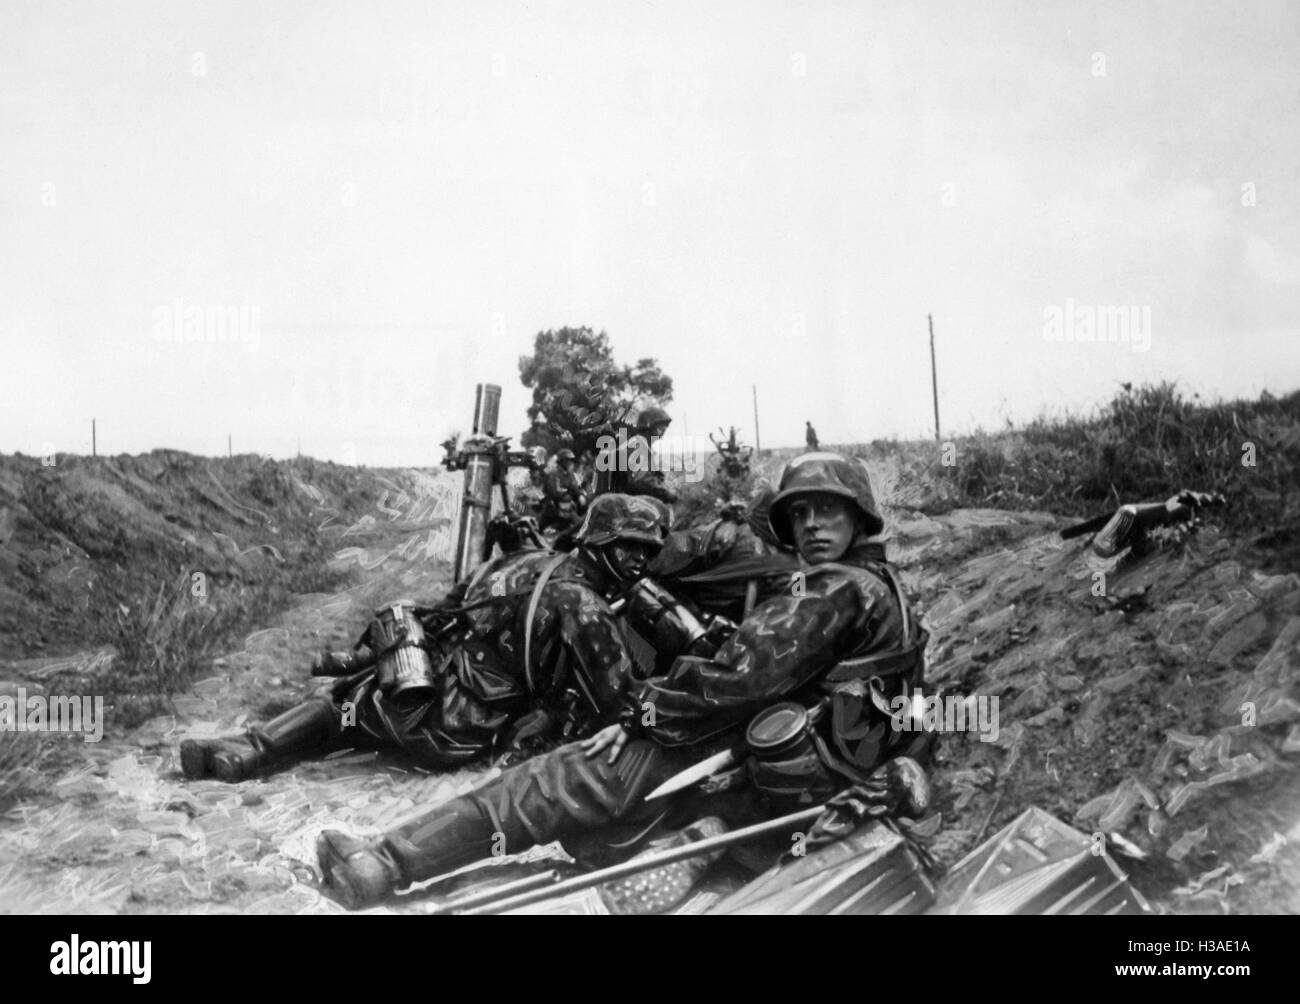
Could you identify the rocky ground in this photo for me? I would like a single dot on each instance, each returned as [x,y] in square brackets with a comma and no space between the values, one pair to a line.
[1120,711]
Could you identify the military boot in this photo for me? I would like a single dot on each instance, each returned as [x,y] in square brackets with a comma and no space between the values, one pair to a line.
[279,743]
[359,873]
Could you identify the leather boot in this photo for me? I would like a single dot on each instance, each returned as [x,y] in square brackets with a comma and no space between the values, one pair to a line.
[359,873]
[279,743]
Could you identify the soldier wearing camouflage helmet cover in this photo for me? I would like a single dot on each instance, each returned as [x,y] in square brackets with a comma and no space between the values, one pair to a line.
[538,657]
[625,461]
[566,500]
[840,641]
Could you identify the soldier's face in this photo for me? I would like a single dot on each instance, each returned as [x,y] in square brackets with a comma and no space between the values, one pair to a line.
[824,526]
[629,558]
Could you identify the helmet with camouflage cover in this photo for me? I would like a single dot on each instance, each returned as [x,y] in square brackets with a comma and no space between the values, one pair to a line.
[614,517]
[829,473]
[652,416]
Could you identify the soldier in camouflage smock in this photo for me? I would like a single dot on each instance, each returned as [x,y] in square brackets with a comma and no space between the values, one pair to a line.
[537,657]
[566,500]
[840,641]
[627,466]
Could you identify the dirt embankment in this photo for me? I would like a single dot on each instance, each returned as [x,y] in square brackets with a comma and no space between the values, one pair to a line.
[111,826]
[123,577]
[81,530]
[1154,701]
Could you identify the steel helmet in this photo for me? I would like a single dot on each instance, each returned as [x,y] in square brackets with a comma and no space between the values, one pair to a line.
[832,474]
[614,517]
[565,454]
[652,416]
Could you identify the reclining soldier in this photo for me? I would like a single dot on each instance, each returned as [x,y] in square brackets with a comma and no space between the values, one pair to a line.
[528,654]
[840,642]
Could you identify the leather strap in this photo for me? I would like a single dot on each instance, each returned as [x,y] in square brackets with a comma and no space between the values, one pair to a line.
[542,578]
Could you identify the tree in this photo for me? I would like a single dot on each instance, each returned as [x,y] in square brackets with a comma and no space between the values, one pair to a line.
[580,393]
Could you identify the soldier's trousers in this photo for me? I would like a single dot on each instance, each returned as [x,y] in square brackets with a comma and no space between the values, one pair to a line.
[555,796]
[421,730]
[476,701]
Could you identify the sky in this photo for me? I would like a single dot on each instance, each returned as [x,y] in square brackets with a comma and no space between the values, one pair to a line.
[316,225]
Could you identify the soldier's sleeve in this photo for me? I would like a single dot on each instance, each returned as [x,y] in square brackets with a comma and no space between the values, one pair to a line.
[593,640]
[784,643]
[649,483]
[685,552]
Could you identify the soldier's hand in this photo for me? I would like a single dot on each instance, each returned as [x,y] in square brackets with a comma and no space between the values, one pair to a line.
[611,737]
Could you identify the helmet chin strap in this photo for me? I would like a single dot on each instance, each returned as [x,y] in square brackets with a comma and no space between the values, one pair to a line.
[599,557]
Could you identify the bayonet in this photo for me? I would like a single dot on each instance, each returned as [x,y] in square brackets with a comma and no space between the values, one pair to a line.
[701,771]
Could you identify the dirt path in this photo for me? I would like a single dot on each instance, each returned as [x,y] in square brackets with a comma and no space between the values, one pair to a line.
[124,832]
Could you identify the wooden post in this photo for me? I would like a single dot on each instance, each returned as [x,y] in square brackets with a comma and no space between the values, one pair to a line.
[230,450]
[94,440]
[934,378]
[758,443]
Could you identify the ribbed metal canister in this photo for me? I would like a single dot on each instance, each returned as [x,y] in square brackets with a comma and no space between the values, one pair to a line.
[403,666]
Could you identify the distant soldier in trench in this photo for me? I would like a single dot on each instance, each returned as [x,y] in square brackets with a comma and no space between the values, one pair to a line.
[627,465]
[565,499]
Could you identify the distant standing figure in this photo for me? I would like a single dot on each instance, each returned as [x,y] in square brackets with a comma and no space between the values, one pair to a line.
[810,436]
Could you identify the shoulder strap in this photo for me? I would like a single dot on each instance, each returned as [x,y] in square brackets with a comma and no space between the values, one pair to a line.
[543,577]
[903,605]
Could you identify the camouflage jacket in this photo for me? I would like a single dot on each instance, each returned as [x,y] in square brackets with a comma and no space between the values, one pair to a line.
[636,452]
[564,492]
[713,565]
[579,655]
[789,649]
[529,500]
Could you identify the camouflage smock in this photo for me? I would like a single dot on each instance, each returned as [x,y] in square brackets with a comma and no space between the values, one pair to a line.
[785,650]
[580,665]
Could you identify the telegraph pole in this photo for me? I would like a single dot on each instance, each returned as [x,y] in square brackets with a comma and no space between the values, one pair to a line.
[230,449]
[934,378]
[94,440]
[758,448]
